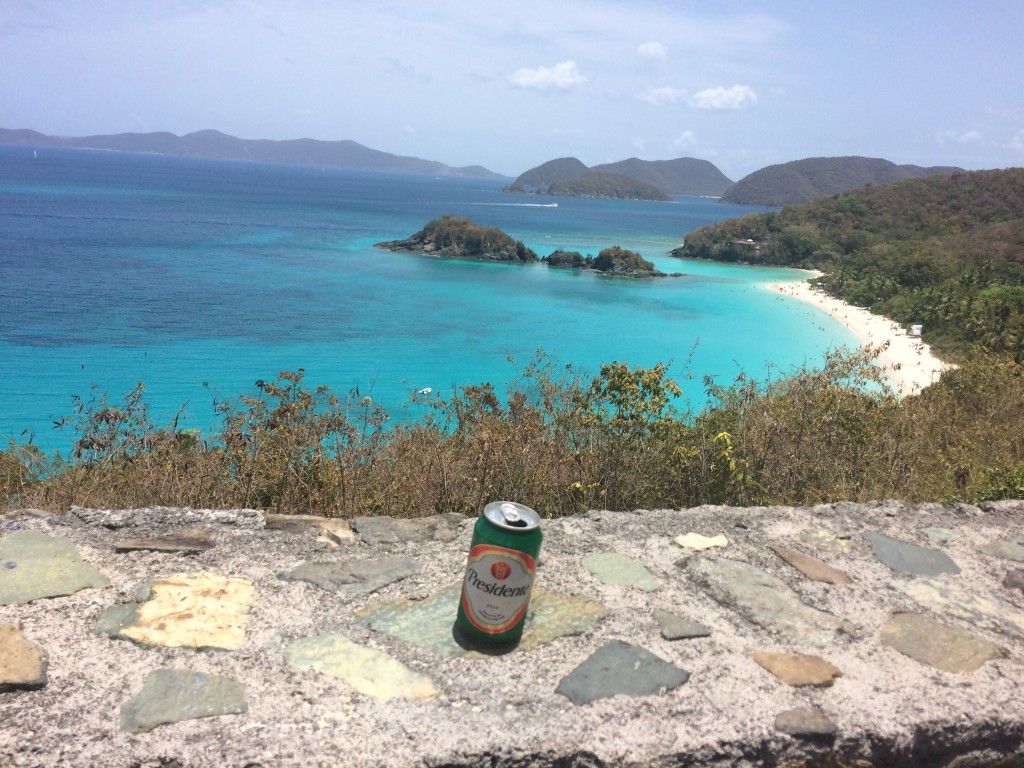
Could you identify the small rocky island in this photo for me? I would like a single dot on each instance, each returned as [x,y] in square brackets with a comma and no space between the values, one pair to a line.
[611,261]
[456,237]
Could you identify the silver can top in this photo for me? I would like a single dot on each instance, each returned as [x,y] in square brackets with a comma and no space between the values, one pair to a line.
[512,516]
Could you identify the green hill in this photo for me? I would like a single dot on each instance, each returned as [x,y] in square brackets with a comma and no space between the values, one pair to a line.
[612,185]
[682,176]
[945,251]
[804,180]
[648,180]
[552,172]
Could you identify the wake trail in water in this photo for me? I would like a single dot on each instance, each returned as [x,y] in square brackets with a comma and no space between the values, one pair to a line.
[519,205]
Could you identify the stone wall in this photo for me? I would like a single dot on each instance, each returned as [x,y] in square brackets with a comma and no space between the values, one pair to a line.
[884,634]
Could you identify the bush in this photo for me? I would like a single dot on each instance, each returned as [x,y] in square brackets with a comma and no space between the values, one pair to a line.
[556,440]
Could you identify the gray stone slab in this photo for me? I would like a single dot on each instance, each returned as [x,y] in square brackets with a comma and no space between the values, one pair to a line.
[354,576]
[173,695]
[331,529]
[186,543]
[985,611]
[766,601]
[1014,579]
[947,648]
[619,668]
[169,517]
[806,722]
[390,530]
[677,628]
[34,565]
[428,623]
[1007,549]
[904,557]
[22,663]
[621,571]
[942,535]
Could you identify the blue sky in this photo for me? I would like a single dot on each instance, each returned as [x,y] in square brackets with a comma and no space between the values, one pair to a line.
[509,85]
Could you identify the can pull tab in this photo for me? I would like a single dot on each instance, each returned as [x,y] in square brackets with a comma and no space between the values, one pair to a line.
[511,515]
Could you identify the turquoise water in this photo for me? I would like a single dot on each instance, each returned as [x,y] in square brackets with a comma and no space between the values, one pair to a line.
[198,276]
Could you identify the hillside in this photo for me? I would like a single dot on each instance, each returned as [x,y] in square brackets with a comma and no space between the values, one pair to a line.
[210,143]
[552,172]
[801,181]
[609,185]
[682,176]
[945,251]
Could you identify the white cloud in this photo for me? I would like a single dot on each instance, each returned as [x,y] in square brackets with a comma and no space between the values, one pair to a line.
[684,142]
[724,99]
[562,76]
[652,50]
[967,137]
[663,95]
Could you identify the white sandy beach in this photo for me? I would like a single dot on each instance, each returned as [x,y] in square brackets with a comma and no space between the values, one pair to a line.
[908,362]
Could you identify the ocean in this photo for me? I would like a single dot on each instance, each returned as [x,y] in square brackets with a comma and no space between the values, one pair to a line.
[201,276]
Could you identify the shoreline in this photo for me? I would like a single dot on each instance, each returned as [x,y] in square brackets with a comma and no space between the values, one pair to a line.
[908,363]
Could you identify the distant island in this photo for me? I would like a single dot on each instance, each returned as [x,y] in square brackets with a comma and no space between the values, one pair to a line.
[804,180]
[456,237]
[632,179]
[210,143]
[799,181]
[790,183]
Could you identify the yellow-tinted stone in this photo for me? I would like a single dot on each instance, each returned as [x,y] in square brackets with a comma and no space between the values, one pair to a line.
[22,663]
[812,567]
[697,541]
[193,610]
[947,648]
[986,611]
[371,672]
[797,669]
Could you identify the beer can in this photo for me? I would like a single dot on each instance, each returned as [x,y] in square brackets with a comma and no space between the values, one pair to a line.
[500,571]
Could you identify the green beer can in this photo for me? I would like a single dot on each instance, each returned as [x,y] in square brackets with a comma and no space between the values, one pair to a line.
[500,570]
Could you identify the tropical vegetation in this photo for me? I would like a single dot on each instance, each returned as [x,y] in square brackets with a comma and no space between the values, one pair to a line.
[946,252]
[557,440]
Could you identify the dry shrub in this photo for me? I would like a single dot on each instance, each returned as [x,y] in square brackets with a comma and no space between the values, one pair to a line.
[560,442]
